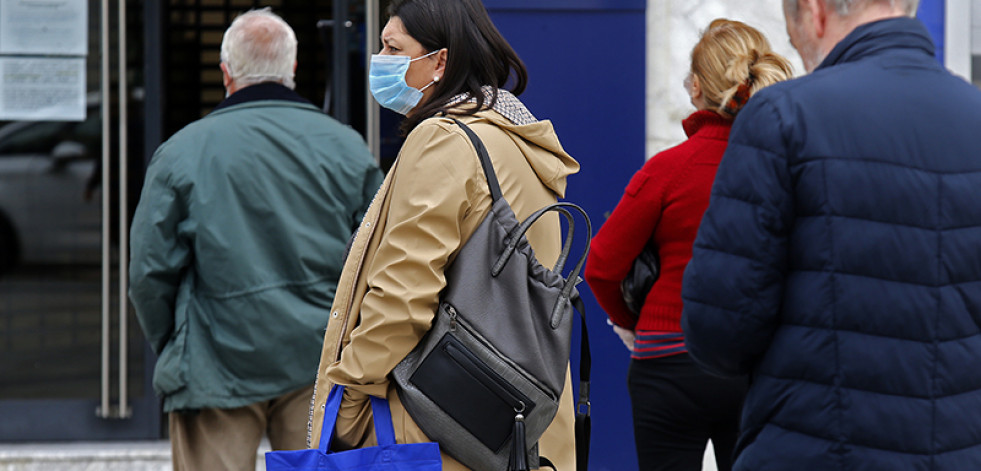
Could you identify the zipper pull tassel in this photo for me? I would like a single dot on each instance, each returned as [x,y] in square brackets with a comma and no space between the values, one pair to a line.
[519,456]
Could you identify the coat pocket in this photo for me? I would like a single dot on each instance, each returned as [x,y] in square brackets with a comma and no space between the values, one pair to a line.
[169,376]
[457,380]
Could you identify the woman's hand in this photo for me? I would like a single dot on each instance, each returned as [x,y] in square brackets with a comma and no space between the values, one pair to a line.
[626,336]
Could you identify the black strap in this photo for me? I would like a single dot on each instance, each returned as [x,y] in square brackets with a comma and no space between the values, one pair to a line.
[583,406]
[485,161]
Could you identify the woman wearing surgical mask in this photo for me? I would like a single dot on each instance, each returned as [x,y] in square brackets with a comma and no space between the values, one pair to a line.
[677,408]
[440,59]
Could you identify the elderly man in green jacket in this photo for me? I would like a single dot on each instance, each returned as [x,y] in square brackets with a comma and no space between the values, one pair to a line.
[237,245]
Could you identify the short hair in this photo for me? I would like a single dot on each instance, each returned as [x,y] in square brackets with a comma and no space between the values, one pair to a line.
[730,56]
[845,7]
[259,47]
[477,53]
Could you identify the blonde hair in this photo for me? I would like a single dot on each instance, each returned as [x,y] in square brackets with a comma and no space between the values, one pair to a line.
[733,61]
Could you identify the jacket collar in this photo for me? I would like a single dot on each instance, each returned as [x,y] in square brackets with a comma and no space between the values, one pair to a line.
[872,38]
[261,92]
[707,124]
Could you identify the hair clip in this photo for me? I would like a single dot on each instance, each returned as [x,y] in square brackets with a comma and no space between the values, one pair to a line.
[739,98]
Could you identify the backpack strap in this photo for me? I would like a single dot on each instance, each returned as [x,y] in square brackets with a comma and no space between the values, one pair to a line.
[583,406]
[485,161]
[497,194]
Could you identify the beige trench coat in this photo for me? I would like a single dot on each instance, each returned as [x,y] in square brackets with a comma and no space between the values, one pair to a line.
[431,202]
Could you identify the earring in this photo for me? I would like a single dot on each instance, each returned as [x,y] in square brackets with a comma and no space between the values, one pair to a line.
[435,78]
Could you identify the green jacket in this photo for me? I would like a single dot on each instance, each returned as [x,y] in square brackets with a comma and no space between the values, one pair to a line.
[237,246]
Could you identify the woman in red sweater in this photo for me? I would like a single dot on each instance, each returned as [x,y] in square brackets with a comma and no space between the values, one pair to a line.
[676,407]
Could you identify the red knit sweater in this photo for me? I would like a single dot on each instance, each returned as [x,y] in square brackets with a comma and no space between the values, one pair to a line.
[665,198]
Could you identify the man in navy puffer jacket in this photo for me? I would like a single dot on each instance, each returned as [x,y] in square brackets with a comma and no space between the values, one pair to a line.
[839,262]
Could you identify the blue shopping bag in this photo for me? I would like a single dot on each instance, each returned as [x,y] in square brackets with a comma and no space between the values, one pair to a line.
[387,456]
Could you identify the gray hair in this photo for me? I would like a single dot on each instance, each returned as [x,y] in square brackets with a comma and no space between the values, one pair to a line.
[844,7]
[259,47]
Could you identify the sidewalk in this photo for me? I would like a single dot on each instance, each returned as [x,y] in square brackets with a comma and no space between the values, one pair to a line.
[94,456]
[120,456]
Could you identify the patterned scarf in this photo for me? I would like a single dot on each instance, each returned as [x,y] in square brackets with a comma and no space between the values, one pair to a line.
[507,105]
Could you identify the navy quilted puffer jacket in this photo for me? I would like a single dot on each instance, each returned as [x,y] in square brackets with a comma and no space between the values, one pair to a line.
[839,263]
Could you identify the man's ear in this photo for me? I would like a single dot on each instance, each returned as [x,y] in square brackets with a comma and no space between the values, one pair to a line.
[226,78]
[817,14]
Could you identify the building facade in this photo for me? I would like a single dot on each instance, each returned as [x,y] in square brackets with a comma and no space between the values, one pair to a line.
[73,363]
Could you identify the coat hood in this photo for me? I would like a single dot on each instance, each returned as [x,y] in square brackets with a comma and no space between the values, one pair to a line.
[541,148]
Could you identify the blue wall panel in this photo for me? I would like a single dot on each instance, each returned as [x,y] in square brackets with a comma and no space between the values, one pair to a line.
[586,66]
[931,13]
[539,5]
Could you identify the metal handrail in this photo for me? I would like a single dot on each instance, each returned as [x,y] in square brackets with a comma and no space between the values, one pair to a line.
[103,410]
[373,112]
[123,410]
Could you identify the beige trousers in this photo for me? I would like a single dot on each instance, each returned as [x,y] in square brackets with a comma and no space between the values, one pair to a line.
[228,439]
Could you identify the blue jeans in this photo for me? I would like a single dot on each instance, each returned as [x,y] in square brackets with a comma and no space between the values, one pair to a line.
[677,408]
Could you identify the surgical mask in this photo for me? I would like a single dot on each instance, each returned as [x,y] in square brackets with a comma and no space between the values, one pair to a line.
[386,80]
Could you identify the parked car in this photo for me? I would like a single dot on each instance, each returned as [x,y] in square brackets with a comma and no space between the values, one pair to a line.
[50,201]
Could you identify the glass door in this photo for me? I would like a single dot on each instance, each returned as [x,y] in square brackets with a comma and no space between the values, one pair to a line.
[73,364]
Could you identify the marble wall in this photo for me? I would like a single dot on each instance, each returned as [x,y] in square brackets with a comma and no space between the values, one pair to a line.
[673,27]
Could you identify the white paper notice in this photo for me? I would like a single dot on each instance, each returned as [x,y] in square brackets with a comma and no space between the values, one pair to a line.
[42,88]
[49,27]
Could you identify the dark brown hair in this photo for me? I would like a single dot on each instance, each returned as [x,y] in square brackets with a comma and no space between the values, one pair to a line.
[477,54]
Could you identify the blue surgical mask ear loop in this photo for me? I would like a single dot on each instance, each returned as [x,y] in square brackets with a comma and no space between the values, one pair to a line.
[435,79]
[425,55]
